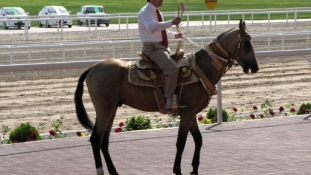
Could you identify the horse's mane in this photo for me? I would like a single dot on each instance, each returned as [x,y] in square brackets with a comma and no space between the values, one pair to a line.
[222,34]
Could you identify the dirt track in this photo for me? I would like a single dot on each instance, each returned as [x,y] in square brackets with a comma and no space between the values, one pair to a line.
[42,97]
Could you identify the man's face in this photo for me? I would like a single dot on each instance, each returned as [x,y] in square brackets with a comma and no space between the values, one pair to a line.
[156,3]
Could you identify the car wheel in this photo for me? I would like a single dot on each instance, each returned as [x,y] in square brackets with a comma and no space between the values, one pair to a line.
[107,24]
[4,26]
[28,27]
[80,23]
[19,27]
[98,24]
[47,24]
[69,26]
[40,25]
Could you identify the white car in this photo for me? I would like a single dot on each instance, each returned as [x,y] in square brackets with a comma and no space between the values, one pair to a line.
[54,12]
[14,13]
[93,11]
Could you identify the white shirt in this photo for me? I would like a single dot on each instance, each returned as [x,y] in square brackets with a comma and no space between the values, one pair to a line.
[148,26]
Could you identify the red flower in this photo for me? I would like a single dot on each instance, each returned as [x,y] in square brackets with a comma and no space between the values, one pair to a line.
[30,139]
[261,116]
[121,124]
[271,112]
[79,134]
[281,109]
[234,109]
[292,110]
[303,110]
[252,116]
[255,108]
[34,133]
[118,130]
[52,132]
[200,118]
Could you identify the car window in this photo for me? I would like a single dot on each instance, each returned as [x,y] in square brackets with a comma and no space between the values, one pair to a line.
[51,10]
[101,9]
[90,10]
[62,10]
[20,11]
[9,12]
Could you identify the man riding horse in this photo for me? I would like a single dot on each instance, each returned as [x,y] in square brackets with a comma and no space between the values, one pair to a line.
[153,34]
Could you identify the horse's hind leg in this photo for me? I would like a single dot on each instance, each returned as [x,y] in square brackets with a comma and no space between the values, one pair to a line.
[96,141]
[105,146]
[102,125]
[197,137]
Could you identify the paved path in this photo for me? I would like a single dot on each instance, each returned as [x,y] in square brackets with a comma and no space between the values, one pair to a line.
[278,146]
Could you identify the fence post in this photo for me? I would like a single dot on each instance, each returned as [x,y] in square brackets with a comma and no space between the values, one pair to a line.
[269,21]
[215,19]
[219,103]
[188,24]
[96,28]
[295,18]
[202,19]
[127,26]
[228,17]
[252,17]
[119,20]
[61,25]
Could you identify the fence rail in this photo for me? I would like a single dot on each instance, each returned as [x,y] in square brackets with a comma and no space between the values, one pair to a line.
[88,63]
[64,51]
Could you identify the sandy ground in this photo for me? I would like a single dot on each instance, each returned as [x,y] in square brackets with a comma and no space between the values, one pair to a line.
[42,97]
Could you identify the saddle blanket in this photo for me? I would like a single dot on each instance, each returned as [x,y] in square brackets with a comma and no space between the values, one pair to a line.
[136,77]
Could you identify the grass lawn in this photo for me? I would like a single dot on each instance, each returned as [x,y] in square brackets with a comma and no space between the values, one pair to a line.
[133,6]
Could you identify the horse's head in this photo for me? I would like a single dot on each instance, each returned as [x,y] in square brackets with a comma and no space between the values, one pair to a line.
[237,42]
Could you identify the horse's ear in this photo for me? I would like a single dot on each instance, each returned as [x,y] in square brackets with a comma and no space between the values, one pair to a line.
[242,26]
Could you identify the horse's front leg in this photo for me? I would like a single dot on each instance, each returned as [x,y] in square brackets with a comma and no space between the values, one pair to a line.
[184,127]
[197,137]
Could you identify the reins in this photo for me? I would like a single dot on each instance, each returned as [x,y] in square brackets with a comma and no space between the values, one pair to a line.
[197,45]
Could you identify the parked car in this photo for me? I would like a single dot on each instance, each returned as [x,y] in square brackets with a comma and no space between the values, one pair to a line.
[14,13]
[93,11]
[54,12]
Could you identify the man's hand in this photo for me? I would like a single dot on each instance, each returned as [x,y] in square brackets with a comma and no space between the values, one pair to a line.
[179,35]
[176,21]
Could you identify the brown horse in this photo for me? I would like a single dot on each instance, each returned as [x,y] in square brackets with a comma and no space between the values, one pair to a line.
[108,86]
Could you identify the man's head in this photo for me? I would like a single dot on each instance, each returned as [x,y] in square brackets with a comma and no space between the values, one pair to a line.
[156,3]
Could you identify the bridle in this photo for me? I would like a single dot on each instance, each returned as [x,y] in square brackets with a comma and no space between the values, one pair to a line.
[221,60]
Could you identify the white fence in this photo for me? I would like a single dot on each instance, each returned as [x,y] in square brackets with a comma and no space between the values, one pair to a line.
[27,61]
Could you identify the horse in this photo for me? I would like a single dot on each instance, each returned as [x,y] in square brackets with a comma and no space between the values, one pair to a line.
[109,88]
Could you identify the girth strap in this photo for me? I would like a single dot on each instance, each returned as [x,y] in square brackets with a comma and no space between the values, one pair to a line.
[157,92]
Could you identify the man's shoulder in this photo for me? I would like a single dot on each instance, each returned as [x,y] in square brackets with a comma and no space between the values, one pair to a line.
[144,9]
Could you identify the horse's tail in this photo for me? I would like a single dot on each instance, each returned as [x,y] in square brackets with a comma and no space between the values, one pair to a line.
[80,109]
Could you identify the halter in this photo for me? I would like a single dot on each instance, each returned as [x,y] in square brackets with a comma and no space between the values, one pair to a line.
[217,49]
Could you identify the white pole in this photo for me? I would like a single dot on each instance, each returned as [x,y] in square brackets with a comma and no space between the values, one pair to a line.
[219,103]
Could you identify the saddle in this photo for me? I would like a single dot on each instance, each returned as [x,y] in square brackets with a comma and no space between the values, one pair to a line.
[144,72]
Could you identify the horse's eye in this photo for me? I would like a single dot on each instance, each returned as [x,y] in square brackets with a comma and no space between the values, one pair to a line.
[247,44]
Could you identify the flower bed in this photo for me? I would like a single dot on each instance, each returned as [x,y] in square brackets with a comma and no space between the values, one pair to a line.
[143,122]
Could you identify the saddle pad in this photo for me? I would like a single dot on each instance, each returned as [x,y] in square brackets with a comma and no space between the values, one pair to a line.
[133,77]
